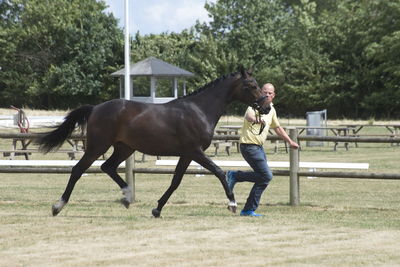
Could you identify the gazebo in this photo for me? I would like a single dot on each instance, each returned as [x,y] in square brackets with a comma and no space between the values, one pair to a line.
[162,77]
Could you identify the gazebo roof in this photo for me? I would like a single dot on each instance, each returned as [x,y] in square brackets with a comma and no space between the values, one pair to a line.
[154,67]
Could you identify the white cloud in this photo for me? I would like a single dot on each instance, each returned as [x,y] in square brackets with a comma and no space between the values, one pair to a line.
[156,16]
[189,14]
[164,17]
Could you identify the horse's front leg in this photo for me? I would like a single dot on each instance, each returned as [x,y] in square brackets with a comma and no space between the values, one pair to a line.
[176,180]
[207,163]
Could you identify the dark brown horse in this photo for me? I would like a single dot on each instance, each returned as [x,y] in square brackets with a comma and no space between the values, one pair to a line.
[183,127]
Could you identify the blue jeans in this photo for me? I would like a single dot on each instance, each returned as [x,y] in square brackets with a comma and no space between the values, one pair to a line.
[261,176]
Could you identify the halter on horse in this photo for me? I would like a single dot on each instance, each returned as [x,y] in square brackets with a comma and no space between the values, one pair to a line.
[183,127]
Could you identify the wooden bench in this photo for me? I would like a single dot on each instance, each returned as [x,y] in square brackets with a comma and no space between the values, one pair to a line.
[219,144]
[27,147]
[223,143]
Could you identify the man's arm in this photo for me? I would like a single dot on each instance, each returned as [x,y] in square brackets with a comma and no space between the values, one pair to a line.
[282,134]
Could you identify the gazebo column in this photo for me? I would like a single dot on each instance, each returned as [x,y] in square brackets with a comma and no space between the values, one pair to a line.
[131,88]
[121,88]
[153,87]
[175,87]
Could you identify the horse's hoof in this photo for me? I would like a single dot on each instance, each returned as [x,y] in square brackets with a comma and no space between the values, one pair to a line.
[125,202]
[232,206]
[156,213]
[127,199]
[55,210]
[232,209]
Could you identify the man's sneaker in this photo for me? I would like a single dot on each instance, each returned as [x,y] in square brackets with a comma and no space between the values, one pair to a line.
[250,213]
[230,180]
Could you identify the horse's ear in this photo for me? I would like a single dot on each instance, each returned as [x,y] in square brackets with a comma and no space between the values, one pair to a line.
[242,71]
[250,71]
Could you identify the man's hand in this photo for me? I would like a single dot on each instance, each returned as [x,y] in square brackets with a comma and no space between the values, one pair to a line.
[293,144]
[282,134]
[260,121]
[250,116]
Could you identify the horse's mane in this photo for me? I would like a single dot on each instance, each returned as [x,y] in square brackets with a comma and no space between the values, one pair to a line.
[210,84]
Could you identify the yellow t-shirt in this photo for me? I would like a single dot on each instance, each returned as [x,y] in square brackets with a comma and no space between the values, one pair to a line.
[249,131]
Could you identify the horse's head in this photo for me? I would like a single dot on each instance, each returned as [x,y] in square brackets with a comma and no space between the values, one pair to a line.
[250,93]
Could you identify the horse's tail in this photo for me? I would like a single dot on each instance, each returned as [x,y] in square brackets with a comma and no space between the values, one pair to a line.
[54,139]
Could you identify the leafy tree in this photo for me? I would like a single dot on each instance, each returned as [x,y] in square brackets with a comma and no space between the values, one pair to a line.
[361,36]
[9,76]
[384,76]
[253,29]
[339,55]
[59,54]
[307,70]
[342,56]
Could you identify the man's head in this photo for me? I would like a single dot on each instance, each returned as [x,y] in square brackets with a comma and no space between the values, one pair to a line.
[263,104]
[268,90]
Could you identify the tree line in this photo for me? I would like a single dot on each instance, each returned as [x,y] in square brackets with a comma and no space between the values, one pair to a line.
[320,54]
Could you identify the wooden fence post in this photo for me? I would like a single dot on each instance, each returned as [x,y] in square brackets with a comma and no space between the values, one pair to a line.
[294,168]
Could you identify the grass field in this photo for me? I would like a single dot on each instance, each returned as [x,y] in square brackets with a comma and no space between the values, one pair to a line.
[340,222]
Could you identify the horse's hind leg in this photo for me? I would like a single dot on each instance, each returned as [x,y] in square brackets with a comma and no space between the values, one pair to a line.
[207,163]
[84,163]
[176,180]
[121,153]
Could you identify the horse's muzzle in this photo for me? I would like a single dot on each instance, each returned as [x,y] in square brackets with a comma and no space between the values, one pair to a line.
[259,106]
[261,109]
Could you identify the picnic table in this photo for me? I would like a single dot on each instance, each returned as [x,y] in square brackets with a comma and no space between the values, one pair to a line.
[392,128]
[234,130]
[25,138]
[336,130]
[27,147]
[226,131]
[231,127]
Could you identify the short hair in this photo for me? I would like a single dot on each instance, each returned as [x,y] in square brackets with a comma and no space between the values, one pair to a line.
[269,84]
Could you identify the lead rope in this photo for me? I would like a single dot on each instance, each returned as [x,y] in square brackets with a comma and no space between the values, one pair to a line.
[262,126]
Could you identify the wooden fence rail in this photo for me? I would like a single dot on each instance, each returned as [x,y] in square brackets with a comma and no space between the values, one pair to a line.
[322,174]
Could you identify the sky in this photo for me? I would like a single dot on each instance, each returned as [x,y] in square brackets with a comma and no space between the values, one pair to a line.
[157,16]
